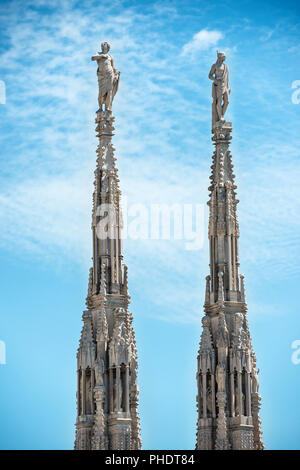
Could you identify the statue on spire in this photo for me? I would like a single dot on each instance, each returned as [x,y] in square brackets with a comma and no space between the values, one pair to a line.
[228,366]
[220,88]
[107,389]
[108,77]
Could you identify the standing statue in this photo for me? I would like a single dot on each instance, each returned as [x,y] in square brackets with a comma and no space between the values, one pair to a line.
[209,400]
[220,88]
[220,377]
[108,77]
[118,395]
[255,381]
[99,372]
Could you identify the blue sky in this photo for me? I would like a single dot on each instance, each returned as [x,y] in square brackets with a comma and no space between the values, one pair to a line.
[164,51]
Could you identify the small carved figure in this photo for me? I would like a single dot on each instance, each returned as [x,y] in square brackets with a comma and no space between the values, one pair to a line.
[238,333]
[133,375]
[209,400]
[222,335]
[108,77]
[99,371]
[255,381]
[237,403]
[220,378]
[118,395]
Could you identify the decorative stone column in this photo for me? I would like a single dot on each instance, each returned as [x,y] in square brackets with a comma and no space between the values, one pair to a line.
[222,442]
[99,438]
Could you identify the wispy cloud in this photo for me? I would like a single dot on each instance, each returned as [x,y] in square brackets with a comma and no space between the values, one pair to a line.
[202,40]
[162,138]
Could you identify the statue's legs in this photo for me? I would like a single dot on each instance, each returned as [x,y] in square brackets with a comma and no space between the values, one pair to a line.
[100,101]
[219,108]
[108,101]
[225,103]
[219,101]
[222,101]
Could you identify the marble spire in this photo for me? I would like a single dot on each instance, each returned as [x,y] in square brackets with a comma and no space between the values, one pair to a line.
[107,390]
[228,398]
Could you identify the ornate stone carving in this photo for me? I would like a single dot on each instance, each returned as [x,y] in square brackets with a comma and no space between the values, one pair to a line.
[222,442]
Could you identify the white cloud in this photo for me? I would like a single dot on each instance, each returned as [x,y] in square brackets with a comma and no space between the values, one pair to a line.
[201,41]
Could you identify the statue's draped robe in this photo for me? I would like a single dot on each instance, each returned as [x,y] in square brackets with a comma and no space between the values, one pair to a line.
[223,86]
[108,80]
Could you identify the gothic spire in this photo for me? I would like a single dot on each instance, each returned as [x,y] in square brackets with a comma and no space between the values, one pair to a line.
[107,390]
[228,399]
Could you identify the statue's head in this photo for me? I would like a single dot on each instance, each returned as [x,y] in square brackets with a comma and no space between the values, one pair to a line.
[221,56]
[105,46]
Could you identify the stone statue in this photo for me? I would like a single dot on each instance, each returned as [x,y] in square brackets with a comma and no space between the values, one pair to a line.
[222,335]
[118,392]
[220,378]
[236,401]
[255,381]
[108,77]
[99,371]
[133,375]
[238,335]
[209,400]
[220,88]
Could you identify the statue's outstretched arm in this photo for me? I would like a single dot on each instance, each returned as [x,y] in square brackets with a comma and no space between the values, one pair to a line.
[96,56]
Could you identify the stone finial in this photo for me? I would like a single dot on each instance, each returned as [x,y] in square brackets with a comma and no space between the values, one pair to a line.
[125,282]
[206,340]
[90,287]
[207,291]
